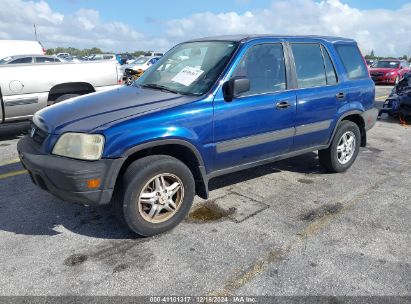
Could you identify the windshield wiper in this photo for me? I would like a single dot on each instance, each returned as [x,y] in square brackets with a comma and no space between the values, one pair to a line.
[160,87]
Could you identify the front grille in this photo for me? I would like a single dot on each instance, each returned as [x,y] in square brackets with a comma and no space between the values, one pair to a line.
[37,134]
[377,74]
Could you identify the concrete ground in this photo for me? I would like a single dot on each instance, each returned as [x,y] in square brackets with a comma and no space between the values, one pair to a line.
[287,228]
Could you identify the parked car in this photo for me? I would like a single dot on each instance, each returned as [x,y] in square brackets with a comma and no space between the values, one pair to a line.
[399,101]
[389,71]
[29,59]
[27,88]
[153,54]
[124,58]
[19,47]
[63,55]
[103,57]
[142,63]
[71,59]
[150,147]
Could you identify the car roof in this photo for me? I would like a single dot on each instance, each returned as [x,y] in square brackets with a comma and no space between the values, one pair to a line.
[244,38]
[30,55]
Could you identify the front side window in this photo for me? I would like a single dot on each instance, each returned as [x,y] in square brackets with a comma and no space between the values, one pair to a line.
[189,68]
[353,61]
[264,66]
[309,65]
[21,60]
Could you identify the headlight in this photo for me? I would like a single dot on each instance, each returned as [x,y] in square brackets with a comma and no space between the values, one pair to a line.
[80,146]
[390,73]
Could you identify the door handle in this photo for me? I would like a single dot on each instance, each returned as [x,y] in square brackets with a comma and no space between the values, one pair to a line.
[340,95]
[282,105]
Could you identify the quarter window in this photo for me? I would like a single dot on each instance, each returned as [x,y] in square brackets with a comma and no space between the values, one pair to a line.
[353,61]
[264,66]
[329,68]
[309,65]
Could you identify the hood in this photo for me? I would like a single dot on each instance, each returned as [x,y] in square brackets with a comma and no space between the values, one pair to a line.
[87,112]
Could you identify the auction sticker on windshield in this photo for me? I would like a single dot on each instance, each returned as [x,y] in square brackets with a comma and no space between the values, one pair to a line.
[187,75]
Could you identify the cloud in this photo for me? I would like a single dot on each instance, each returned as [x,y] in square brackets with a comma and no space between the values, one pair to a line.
[385,31]
[83,29]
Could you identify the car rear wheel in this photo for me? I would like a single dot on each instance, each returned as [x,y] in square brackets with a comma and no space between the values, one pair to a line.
[155,194]
[344,148]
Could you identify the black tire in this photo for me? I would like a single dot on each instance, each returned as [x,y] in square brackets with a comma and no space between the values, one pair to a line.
[137,175]
[65,97]
[397,80]
[329,157]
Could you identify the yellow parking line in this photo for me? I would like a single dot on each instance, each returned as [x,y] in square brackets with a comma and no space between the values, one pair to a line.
[13,173]
[9,162]
[381,97]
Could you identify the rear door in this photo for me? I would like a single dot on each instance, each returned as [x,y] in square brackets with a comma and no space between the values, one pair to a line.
[319,96]
[259,123]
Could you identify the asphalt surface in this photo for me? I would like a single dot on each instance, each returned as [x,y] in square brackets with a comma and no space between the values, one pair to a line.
[287,228]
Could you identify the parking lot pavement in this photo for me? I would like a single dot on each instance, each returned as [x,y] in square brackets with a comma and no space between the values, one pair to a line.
[382,92]
[287,228]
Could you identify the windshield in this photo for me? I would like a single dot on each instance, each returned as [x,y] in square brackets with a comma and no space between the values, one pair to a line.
[4,60]
[189,68]
[386,64]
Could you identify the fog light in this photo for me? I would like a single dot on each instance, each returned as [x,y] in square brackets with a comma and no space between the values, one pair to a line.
[93,183]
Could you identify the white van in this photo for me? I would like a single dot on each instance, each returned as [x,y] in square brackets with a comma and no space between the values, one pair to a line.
[20,47]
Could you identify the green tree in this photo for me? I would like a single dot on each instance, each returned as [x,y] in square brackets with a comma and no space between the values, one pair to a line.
[138,53]
[49,51]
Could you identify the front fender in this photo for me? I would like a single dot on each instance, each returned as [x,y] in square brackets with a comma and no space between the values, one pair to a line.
[128,143]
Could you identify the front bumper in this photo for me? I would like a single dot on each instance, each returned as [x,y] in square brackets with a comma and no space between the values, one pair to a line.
[383,79]
[67,178]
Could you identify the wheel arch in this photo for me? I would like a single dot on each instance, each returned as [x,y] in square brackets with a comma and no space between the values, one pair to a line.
[61,89]
[356,117]
[181,150]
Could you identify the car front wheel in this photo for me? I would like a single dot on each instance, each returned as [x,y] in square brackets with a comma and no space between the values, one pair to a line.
[344,148]
[155,194]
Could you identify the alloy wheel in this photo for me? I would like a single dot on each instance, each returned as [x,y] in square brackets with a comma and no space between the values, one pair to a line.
[346,147]
[160,198]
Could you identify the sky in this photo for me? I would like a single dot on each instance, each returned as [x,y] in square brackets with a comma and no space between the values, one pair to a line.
[382,26]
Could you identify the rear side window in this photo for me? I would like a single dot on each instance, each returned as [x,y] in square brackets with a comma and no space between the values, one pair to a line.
[329,68]
[309,65]
[264,66]
[352,61]
[45,59]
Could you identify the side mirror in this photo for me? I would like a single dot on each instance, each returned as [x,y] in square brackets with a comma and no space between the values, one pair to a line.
[235,87]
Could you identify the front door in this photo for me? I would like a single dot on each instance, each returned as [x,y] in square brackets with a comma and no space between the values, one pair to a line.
[259,123]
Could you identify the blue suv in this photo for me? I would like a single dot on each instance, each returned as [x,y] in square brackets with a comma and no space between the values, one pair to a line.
[208,107]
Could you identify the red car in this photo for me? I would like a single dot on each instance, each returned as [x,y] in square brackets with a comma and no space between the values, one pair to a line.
[389,71]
